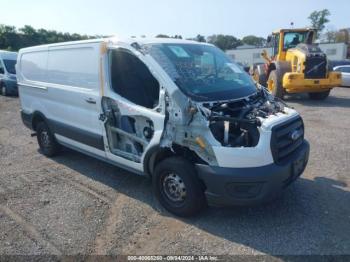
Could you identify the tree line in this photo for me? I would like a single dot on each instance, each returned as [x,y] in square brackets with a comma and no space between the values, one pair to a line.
[14,39]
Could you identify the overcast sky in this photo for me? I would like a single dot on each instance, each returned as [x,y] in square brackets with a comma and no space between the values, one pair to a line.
[185,17]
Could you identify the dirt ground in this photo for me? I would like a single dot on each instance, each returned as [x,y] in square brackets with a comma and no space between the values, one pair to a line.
[74,204]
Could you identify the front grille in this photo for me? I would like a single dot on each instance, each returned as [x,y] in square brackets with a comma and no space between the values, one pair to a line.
[315,66]
[286,138]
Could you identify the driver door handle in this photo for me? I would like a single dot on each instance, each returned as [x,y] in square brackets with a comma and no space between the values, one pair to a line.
[90,100]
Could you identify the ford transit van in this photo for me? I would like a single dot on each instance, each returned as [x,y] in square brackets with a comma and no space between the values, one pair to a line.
[8,80]
[177,111]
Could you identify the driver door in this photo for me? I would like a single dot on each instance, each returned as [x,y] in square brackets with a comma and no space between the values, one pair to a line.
[133,118]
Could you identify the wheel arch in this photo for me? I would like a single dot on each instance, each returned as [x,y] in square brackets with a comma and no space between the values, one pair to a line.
[37,118]
[157,154]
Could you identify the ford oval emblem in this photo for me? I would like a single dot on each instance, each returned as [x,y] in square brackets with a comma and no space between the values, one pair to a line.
[295,134]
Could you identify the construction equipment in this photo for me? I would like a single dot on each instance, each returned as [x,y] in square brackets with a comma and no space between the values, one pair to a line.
[297,65]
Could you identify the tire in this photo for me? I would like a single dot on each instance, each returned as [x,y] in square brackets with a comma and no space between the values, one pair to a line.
[274,84]
[3,90]
[320,95]
[179,175]
[46,140]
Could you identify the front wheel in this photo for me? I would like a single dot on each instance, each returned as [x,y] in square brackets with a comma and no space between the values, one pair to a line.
[320,95]
[177,187]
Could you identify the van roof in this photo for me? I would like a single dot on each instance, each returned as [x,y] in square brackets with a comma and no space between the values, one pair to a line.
[8,55]
[116,40]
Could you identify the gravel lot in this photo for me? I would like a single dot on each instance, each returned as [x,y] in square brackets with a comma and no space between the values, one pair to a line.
[74,204]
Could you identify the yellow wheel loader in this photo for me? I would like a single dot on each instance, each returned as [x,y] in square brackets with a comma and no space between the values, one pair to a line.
[297,65]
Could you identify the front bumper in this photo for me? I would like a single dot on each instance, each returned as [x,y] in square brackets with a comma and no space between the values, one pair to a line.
[250,186]
[296,83]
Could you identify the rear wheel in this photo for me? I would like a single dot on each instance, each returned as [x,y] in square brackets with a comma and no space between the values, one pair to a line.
[274,84]
[46,140]
[177,187]
[320,95]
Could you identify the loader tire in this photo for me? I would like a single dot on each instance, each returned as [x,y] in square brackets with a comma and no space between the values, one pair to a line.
[274,84]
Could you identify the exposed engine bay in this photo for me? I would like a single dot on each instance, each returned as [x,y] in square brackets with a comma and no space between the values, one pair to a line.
[235,123]
[201,125]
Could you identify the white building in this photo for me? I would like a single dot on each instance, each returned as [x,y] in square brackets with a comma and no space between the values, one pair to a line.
[249,56]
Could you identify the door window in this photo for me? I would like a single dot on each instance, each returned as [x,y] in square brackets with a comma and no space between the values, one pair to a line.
[131,79]
[276,42]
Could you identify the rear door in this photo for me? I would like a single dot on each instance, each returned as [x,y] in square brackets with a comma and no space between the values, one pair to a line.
[133,108]
[74,93]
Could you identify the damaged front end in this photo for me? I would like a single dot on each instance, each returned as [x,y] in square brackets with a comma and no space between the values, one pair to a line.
[200,126]
[236,123]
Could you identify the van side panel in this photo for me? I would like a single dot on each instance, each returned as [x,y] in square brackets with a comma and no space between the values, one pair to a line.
[31,68]
[62,82]
[75,100]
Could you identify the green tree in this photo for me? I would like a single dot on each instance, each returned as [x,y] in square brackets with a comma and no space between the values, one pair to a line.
[318,20]
[9,39]
[254,40]
[343,36]
[224,42]
[199,38]
[166,36]
[331,36]
[13,39]
[162,36]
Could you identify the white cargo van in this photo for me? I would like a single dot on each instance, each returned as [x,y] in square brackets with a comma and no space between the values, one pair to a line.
[180,112]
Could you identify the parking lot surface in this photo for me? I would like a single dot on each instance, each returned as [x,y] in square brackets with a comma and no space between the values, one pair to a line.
[74,204]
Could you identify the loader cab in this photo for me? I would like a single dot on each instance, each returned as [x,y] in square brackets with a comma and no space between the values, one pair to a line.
[285,39]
